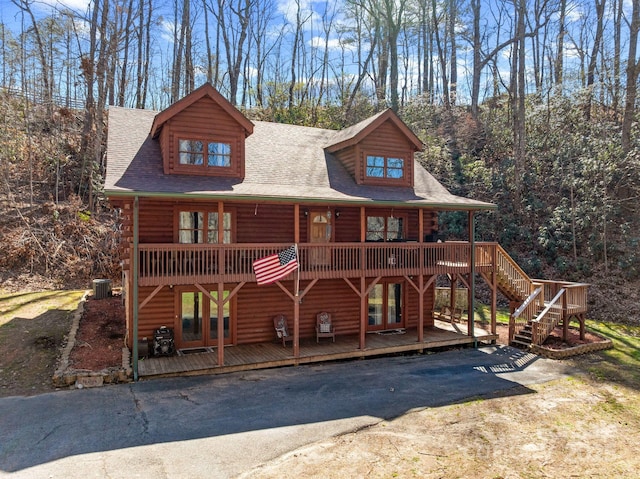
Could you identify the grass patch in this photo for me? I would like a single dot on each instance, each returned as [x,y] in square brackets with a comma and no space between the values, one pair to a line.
[483,314]
[31,305]
[621,363]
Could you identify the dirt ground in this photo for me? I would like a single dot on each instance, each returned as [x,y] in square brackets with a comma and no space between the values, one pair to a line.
[34,328]
[567,428]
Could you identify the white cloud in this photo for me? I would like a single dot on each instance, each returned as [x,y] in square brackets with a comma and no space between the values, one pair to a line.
[333,44]
[80,6]
[166,29]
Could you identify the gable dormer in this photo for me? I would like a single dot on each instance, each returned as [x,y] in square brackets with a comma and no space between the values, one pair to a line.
[378,151]
[202,134]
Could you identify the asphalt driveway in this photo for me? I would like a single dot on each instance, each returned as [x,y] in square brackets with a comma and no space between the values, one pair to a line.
[220,426]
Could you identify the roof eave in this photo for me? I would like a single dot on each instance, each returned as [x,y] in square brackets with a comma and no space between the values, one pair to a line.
[478,206]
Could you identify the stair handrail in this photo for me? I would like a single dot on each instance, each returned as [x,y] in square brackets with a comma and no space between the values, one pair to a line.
[524,313]
[520,276]
[542,325]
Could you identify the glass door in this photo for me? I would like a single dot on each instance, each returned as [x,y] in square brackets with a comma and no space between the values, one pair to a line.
[198,320]
[385,307]
[191,314]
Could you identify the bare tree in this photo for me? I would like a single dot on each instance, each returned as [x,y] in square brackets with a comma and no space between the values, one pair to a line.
[633,68]
[25,7]
[233,20]
[597,42]
[559,63]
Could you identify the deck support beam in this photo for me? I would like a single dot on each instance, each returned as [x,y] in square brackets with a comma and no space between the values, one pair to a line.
[150,297]
[134,282]
[219,303]
[363,292]
[421,288]
[297,297]
[472,274]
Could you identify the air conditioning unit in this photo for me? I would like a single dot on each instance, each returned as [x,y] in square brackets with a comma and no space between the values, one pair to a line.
[101,288]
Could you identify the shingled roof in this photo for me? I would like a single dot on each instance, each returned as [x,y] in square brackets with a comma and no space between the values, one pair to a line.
[282,163]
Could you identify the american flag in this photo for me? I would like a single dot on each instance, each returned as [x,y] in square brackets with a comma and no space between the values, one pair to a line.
[276,266]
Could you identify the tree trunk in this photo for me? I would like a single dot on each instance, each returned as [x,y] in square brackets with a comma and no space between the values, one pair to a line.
[559,64]
[617,34]
[591,69]
[441,57]
[453,77]
[632,78]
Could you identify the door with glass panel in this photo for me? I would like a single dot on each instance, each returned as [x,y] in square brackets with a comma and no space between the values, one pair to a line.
[320,234]
[198,319]
[386,303]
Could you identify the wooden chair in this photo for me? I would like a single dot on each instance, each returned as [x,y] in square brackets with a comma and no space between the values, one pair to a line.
[324,328]
[282,329]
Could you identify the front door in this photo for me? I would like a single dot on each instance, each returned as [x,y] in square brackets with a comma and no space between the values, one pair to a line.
[385,307]
[320,233]
[198,320]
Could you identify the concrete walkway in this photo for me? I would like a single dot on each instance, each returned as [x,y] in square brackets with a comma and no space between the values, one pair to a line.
[220,426]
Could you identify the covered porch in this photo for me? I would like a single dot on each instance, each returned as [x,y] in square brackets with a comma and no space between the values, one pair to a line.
[272,354]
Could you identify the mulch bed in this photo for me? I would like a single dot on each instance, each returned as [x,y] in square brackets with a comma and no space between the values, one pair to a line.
[100,336]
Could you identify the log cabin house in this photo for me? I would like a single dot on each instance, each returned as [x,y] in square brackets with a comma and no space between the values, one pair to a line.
[203,192]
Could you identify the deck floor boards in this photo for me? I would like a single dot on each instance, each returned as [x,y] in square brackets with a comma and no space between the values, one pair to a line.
[273,354]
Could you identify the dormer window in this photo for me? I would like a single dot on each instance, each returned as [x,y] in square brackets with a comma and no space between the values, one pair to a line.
[379,166]
[192,152]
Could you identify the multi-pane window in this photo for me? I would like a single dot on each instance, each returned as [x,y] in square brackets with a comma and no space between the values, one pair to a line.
[385,228]
[192,152]
[385,167]
[192,227]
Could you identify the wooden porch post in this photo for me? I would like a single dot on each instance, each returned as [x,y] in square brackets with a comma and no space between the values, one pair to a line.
[421,278]
[220,234]
[472,279]
[296,300]
[363,312]
[494,300]
[452,292]
[221,269]
[363,282]
[134,282]
[221,323]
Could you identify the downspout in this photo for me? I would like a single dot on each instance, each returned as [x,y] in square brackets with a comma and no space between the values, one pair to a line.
[472,282]
[134,281]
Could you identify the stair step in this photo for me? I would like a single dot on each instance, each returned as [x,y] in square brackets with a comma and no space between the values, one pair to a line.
[520,344]
[522,339]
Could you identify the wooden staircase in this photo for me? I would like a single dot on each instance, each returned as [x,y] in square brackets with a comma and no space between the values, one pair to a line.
[535,331]
[513,282]
[534,320]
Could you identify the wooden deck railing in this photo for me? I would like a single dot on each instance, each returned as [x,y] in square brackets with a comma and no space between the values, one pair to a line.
[517,280]
[548,319]
[210,263]
[544,314]
[526,312]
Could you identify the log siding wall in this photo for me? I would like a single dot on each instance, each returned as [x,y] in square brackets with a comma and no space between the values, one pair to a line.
[256,305]
[207,121]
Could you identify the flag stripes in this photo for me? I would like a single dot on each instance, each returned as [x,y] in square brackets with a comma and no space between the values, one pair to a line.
[276,266]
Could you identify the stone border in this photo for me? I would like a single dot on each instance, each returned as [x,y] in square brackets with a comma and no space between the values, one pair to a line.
[66,376]
[574,350]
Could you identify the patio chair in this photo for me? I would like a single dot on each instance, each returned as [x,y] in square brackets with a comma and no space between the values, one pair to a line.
[324,328]
[282,329]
